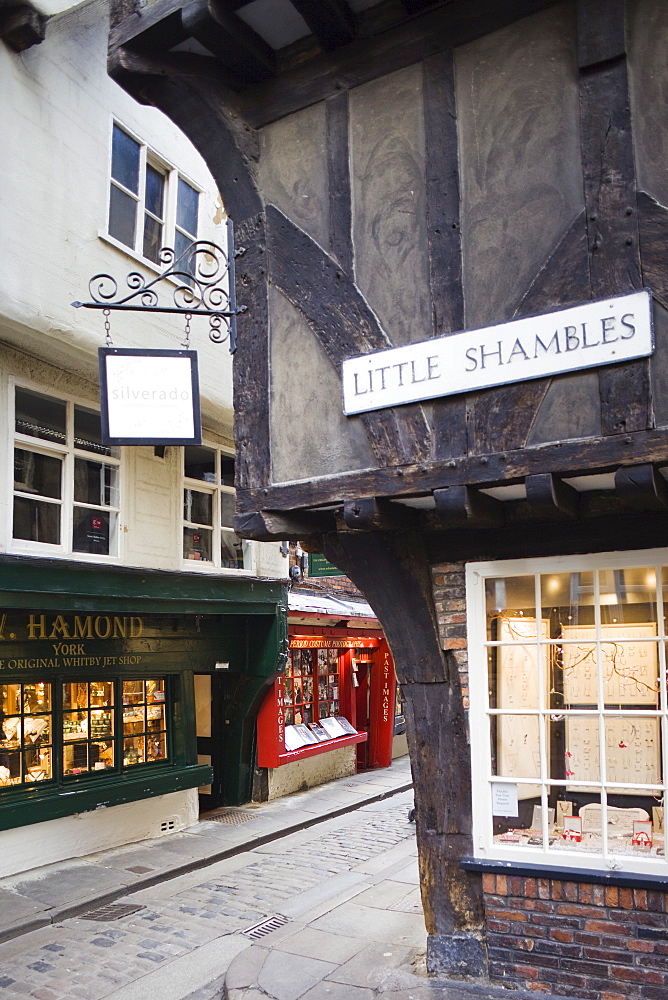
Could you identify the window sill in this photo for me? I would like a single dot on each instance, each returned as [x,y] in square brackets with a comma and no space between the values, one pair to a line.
[589,876]
[132,254]
[37,804]
[279,759]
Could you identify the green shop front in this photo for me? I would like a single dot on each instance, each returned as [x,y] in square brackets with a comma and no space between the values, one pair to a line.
[123,694]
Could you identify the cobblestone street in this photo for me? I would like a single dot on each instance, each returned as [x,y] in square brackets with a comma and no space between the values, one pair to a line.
[180,936]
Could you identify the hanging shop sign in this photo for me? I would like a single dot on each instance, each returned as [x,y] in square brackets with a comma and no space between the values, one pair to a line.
[319,566]
[149,397]
[604,332]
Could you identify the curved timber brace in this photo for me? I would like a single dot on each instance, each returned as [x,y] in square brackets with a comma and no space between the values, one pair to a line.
[393,572]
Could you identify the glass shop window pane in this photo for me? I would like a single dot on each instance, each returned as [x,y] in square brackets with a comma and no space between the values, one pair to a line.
[125,160]
[36,521]
[88,432]
[231,551]
[36,473]
[198,507]
[144,722]
[122,216]
[88,727]
[200,463]
[227,470]
[509,599]
[40,416]
[95,483]
[197,544]
[627,595]
[25,733]
[227,509]
[635,826]
[93,531]
[187,204]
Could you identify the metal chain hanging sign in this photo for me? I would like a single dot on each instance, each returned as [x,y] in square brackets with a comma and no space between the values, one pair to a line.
[152,396]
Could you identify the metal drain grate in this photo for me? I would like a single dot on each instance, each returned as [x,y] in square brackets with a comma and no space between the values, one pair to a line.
[265,927]
[113,911]
[232,816]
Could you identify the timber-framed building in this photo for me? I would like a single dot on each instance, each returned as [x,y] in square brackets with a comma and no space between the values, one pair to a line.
[402,171]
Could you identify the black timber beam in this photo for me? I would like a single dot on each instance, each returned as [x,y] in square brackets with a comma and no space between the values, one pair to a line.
[368,58]
[468,506]
[548,495]
[21,26]
[372,514]
[642,487]
[268,525]
[126,62]
[331,21]
[244,56]
[563,458]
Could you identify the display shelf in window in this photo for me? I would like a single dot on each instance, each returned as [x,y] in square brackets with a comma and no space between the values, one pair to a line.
[26,726]
[144,722]
[88,727]
[574,706]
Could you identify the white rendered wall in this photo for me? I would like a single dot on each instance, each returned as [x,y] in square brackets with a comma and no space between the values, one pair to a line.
[56,114]
[28,847]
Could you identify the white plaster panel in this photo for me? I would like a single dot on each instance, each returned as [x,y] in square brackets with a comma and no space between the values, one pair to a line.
[85,833]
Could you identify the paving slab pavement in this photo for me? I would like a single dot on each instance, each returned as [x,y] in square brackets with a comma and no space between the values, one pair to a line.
[54,892]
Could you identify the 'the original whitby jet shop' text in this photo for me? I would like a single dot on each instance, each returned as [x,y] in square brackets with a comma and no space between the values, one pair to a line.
[584,336]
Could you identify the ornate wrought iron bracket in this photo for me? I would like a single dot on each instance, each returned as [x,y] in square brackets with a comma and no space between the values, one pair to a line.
[199,282]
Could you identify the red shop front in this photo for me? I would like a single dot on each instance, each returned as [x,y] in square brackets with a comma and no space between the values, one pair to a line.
[336,701]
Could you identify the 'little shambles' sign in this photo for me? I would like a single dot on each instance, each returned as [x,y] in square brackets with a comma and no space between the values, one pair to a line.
[582,336]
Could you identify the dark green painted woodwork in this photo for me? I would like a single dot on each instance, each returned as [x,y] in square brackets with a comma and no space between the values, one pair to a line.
[188,624]
[39,803]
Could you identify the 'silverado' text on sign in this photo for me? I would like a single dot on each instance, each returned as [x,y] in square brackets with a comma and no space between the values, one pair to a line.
[583,336]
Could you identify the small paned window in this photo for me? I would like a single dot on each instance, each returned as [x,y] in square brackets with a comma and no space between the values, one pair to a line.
[70,730]
[144,722]
[88,726]
[26,726]
[208,510]
[568,682]
[311,686]
[150,204]
[66,489]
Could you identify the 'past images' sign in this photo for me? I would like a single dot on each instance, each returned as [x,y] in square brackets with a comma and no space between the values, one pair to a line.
[583,336]
[149,397]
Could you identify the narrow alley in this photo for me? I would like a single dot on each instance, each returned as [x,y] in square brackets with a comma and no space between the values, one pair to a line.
[329,912]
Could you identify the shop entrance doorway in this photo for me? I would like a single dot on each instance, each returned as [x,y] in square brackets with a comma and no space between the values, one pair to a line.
[210,731]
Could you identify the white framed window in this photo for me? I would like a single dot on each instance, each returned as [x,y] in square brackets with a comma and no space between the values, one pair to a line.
[66,482]
[150,204]
[569,711]
[208,510]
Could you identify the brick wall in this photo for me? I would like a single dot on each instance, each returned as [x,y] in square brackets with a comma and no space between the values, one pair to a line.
[449,586]
[590,942]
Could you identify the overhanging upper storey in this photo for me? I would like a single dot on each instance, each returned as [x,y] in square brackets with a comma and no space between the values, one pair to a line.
[400,172]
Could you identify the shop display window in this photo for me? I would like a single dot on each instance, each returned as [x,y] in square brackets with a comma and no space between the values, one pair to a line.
[311,686]
[88,726]
[25,733]
[69,730]
[144,722]
[575,709]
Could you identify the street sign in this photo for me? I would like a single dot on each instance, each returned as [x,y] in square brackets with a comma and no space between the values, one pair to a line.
[583,336]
